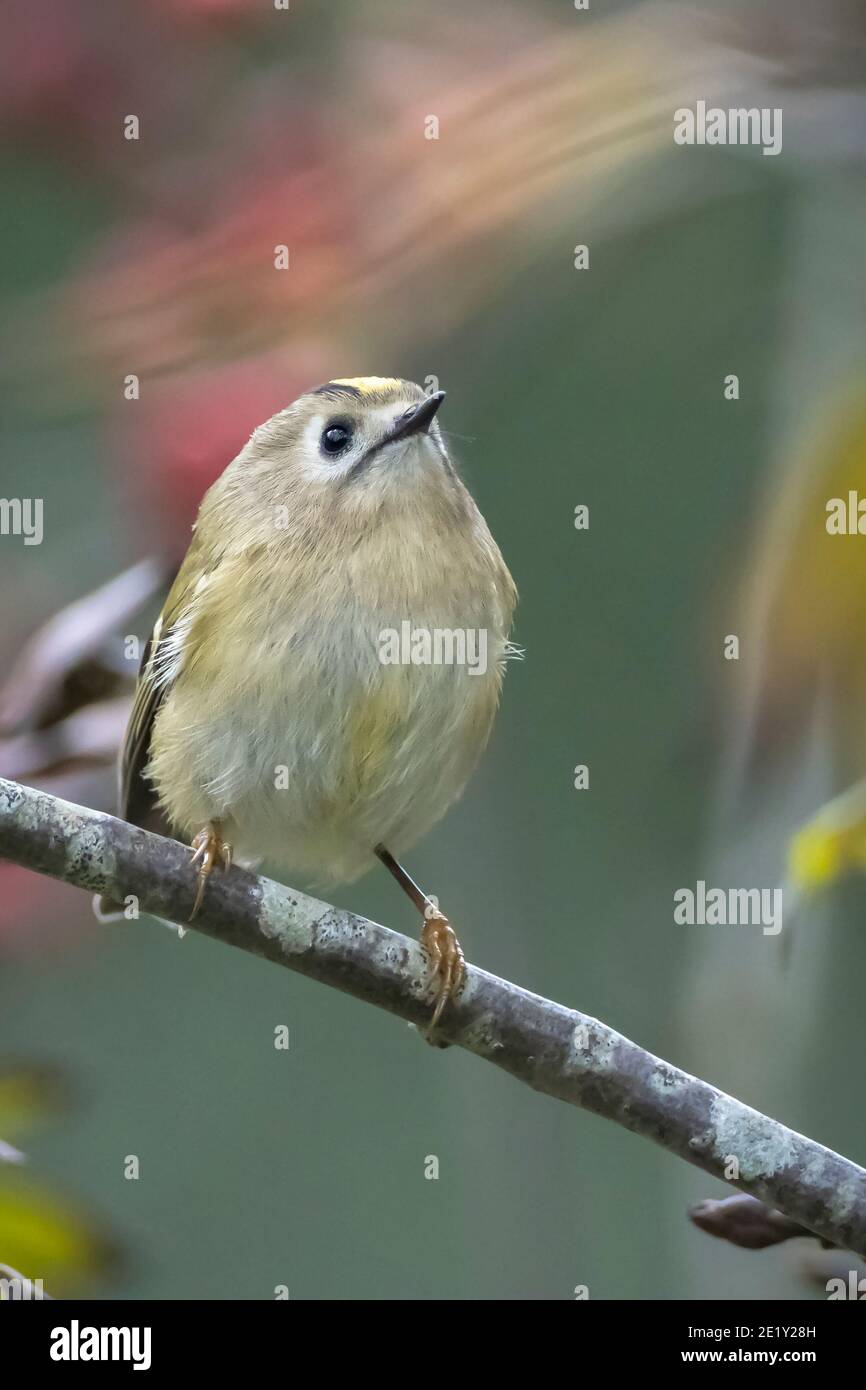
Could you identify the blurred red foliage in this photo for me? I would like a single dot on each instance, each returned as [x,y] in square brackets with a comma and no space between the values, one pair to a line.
[173,443]
[38,913]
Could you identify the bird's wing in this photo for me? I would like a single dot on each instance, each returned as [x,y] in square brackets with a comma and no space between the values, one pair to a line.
[160,665]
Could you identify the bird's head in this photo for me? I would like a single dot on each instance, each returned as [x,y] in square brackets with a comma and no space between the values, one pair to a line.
[359,439]
[356,455]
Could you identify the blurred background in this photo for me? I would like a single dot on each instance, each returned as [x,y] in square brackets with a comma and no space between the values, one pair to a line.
[450,257]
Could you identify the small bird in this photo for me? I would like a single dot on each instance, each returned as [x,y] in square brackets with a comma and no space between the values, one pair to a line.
[290,705]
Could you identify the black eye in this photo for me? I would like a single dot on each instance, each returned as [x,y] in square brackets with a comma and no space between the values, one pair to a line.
[336,436]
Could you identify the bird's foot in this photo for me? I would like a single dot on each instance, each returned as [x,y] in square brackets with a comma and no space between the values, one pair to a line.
[447,964]
[209,848]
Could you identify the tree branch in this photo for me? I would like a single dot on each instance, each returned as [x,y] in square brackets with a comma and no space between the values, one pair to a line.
[558,1051]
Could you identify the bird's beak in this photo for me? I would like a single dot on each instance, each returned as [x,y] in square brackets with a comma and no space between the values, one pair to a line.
[420,420]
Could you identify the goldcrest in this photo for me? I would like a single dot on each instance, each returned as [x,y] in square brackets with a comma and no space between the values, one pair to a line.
[325,672]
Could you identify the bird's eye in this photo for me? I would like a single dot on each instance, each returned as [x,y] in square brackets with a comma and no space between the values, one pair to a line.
[336,436]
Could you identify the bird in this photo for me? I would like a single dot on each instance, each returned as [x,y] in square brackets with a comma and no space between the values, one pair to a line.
[302,699]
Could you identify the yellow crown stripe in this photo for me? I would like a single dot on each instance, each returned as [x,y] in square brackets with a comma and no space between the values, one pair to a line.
[369,385]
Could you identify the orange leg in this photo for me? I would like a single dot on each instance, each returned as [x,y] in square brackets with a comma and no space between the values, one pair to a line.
[438,939]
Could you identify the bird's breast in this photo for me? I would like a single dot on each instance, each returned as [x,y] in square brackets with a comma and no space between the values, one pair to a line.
[319,718]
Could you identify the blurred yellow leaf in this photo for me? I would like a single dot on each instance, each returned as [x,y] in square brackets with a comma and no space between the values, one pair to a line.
[44,1237]
[833,843]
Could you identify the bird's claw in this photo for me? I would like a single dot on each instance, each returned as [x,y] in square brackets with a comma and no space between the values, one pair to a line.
[445,957]
[208,848]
